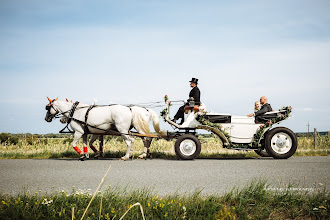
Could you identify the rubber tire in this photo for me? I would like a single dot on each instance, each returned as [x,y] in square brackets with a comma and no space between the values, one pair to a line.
[180,140]
[271,134]
[262,153]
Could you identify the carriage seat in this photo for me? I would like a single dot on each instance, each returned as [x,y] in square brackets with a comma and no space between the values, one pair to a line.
[261,119]
[218,118]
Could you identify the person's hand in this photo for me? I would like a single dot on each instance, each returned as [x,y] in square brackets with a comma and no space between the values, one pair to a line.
[250,115]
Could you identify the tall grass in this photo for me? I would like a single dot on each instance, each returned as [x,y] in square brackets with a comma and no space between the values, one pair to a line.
[115,147]
[254,201]
[307,142]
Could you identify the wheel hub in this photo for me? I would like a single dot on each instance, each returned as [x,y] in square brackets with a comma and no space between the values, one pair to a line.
[188,147]
[281,143]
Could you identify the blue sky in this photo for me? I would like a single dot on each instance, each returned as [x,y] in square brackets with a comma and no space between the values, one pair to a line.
[138,51]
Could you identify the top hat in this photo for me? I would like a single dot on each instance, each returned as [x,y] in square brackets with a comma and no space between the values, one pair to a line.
[194,80]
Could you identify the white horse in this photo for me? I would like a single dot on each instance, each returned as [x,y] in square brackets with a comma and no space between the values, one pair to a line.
[98,153]
[101,119]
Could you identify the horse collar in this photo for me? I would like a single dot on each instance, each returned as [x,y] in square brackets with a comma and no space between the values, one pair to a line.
[74,106]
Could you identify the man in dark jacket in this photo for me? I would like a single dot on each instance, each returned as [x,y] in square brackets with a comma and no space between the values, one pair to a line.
[264,108]
[194,95]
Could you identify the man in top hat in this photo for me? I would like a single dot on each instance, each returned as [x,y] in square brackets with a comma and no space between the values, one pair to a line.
[194,95]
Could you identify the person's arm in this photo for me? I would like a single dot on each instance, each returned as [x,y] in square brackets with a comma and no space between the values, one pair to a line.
[263,110]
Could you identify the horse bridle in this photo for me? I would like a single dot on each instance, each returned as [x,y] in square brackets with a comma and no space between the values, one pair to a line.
[51,106]
[58,113]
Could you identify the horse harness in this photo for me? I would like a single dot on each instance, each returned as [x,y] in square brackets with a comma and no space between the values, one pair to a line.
[70,118]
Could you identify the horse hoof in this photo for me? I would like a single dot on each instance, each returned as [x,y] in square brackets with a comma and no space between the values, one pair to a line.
[84,157]
[122,159]
[140,157]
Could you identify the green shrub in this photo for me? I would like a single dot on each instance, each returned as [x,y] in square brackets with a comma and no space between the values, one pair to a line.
[8,138]
[32,139]
[4,137]
[67,140]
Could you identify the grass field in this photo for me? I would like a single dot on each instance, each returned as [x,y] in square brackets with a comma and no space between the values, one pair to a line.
[255,201]
[33,147]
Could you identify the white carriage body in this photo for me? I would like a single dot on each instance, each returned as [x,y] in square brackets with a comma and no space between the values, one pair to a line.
[240,128]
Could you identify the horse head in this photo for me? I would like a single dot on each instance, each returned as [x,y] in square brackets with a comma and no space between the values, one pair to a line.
[52,111]
[64,119]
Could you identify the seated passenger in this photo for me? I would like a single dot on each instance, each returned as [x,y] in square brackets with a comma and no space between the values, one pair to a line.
[257,106]
[264,108]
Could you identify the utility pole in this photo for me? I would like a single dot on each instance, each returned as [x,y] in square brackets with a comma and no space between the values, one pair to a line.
[308,128]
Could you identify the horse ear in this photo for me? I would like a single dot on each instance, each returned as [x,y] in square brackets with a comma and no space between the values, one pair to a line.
[67,100]
[71,101]
[49,99]
[56,99]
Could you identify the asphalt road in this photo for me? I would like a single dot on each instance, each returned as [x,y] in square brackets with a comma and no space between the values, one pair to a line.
[212,176]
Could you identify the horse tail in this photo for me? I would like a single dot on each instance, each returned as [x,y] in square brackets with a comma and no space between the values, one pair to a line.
[155,122]
[140,123]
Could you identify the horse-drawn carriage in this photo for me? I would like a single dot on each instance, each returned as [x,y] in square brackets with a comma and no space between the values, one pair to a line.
[235,132]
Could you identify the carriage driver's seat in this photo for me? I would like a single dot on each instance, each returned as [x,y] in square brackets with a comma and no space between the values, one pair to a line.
[191,106]
[187,108]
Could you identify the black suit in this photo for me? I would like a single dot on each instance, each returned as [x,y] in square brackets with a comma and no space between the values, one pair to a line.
[194,93]
[264,108]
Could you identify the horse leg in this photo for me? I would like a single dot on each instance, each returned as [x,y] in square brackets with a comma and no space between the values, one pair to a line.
[129,142]
[146,143]
[101,140]
[76,137]
[91,141]
[85,155]
[98,153]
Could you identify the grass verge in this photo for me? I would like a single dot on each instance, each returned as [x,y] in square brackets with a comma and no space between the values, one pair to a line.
[255,201]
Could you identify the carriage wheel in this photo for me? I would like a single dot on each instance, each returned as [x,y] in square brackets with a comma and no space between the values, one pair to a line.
[281,143]
[187,147]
